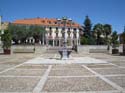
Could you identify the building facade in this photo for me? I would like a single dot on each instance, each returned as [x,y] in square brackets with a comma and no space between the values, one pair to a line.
[55,30]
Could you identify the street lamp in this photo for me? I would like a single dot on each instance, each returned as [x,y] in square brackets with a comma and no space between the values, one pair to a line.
[64,52]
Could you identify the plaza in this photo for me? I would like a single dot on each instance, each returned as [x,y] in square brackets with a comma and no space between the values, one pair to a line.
[62,46]
[44,72]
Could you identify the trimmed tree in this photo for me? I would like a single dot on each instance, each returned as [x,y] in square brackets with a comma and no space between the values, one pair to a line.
[98,31]
[87,26]
[6,39]
[107,31]
[37,32]
[114,41]
[123,41]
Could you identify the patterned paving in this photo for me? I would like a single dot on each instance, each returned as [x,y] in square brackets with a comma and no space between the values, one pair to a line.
[17,76]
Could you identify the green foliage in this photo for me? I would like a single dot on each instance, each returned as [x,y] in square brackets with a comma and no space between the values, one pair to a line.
[87,38]
[84,41]
[107,29]
[37,32]
[98,31]
[6,39]
[87,26]
[91,41]
[100,34]
[114,39]
[18,32]
[123,37]
[22,32]
[123,40]
[102,30]
[107,32]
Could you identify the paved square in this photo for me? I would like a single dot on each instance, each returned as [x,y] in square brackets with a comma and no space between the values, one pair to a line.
[30,73]
[19,72]
[120,80]
[70,72]
[13,84]
[110,71]
[101,66]
[31,66]
[76,85]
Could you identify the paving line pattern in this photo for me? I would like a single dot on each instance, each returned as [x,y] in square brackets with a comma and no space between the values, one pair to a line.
[43,80]
[114,85]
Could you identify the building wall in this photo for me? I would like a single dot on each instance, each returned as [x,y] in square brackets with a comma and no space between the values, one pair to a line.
[52,37]
[60,32]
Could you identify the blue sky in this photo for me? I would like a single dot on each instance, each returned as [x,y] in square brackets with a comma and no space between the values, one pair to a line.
[99,11]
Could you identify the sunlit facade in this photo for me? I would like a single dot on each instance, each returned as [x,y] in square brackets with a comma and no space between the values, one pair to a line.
[55,30]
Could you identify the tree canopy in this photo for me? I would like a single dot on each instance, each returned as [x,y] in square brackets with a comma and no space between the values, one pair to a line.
[114,39]
[87,26]
[6,39]
[22,32]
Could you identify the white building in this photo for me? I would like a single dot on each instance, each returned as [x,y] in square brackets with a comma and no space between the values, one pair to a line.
[55,30]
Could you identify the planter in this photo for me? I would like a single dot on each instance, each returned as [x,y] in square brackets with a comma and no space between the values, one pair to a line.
[115,51]
[7,51]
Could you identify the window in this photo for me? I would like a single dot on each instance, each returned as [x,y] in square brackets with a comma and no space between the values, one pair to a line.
[56,31]
[63,29]
[50,28]
[61,22]
[68,23]
[43,21]
[56,28]
[68,29]
[73,23]
[56,34]
[55,22]
[69,33]
[74,34]
[63,35]
[74,29]
[49,22]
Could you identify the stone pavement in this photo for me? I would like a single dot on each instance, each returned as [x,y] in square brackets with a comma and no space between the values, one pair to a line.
[92,73]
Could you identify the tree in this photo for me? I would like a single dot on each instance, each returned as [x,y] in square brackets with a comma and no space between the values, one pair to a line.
[37,32]
[123,41]
[87,26]
[22,32]
[84,41]
[6,39]
[107,31]
[87,37]
[18,32]
[98,31]
[114,39]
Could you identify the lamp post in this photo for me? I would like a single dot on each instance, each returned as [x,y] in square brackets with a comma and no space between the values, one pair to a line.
[64,52]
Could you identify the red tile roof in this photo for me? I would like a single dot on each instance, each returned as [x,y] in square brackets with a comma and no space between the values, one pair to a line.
[44,22]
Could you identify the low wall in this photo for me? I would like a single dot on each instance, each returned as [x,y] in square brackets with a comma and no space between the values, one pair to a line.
[90,48]
[81,49]
[37,48]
